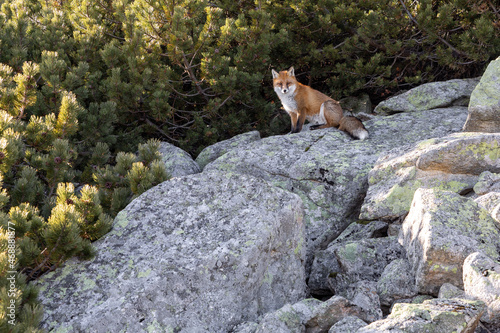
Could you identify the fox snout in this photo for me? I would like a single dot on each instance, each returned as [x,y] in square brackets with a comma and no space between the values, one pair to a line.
[284,89]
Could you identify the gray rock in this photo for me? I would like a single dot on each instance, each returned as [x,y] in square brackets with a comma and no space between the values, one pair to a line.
[306,308]
[491,202]
[394,228]
[328,169]
[284,320]
[463,153]
[440,231]
[451,163]
[448,290]
[487,182]
[246,327]
[432,316]
[177,162]
[324,267]
[358,231]
[332,311]
[213,152]
[396,282]
[309,315]
[198,253]
[325,262]
[364,294]
[349,324]
[364,260]
[419,299]
[484,106]
[481,276]
[430,96]
[290,318]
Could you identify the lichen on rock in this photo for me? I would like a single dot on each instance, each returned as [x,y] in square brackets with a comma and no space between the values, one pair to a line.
[430,96]
[432,316]
[440,231]
[484,106]
[451,163]
[182,254]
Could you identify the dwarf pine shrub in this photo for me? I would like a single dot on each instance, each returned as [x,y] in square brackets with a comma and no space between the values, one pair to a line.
[54,200]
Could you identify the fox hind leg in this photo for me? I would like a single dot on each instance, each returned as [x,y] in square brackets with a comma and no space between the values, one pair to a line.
[319,119]
[329,115]
[333,113]
[318,126]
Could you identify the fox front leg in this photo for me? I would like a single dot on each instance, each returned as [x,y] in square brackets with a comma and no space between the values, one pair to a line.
[293,118]
[300,121]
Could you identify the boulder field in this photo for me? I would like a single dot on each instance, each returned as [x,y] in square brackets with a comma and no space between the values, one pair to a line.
[310,232]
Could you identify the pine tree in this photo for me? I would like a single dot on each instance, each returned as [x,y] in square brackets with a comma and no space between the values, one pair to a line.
[131,176]
[39,167]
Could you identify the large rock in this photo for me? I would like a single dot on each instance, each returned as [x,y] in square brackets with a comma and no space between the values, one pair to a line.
[198,253]
[488,189]
[487,182]
[397,281]
[448,290]
[349,324]
[328,169]
[364,294]
[325,264]
[177,162]
[430,96]
[484,106]
[288,319]
[363,260]
[331,311]
[213,152]
[309,315]
[440,231]
[432,316]
[451,163]
[482,281]
[491,202]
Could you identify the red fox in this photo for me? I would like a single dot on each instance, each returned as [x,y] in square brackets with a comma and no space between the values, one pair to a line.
[302,102]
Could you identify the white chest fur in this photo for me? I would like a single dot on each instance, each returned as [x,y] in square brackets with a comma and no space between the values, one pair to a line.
[290,105]
[287,99]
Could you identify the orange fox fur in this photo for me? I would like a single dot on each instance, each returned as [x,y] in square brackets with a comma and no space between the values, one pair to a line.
[302,102]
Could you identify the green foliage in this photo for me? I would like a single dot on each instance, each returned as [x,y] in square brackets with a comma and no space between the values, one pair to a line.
[197,72]
[130,176]
[43,218]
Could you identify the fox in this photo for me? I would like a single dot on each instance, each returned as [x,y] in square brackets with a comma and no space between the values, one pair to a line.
[302,102]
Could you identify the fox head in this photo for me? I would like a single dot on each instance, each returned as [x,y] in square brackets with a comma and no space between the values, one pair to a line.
[284,82]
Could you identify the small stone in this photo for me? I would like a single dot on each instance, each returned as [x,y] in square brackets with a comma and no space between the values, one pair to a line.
[349,324]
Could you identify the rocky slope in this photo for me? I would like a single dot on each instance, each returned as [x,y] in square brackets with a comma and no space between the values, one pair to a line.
[376,229]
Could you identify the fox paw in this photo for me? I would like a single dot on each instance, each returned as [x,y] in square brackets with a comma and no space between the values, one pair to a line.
[313,127]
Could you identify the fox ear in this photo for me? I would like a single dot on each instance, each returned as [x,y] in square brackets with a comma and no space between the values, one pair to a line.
[275,74]
[291,71]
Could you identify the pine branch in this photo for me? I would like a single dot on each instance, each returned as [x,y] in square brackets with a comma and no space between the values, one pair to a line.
[47,257]
[444,41]
[150,123]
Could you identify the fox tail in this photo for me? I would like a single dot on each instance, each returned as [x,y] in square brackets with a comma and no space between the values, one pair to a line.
[354,127]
